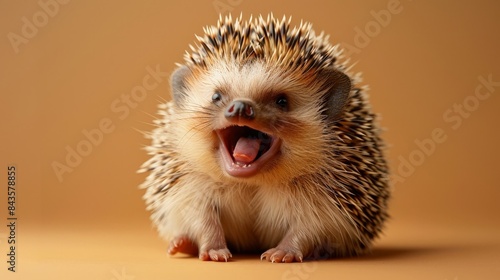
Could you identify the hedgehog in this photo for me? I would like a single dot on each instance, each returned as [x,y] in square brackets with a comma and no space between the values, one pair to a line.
[268,146]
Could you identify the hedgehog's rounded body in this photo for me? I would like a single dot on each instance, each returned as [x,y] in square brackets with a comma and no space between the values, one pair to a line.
[267,144]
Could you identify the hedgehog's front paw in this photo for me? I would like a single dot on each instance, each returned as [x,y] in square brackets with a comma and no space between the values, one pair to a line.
[182,244]
[285,255]
[217,255]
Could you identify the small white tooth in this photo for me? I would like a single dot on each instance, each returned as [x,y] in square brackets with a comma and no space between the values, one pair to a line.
[241,165]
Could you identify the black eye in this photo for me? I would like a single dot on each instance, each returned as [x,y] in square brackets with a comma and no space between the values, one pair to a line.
[216,97]
[282,102]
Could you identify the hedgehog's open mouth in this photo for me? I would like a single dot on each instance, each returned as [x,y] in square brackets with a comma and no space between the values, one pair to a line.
[245,150]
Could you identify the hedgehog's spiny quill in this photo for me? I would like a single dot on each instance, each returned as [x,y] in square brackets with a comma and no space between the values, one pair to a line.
[320,187]
[299,49]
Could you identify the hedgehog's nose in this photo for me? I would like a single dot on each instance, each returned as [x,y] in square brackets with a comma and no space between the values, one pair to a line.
[240,109]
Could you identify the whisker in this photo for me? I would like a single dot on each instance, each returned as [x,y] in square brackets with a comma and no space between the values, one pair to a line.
[200,126]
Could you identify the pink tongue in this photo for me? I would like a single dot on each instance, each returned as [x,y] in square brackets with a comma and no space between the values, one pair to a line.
[246,150]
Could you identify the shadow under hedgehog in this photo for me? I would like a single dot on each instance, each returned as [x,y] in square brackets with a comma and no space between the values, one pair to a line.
[268,144]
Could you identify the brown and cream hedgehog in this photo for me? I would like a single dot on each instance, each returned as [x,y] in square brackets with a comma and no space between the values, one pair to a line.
[267,145]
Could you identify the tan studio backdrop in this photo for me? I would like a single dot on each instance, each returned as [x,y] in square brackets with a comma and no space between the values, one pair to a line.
[74,102]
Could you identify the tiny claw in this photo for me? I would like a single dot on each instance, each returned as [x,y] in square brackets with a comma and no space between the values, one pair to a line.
[275,255]
[204,257]
[178,242]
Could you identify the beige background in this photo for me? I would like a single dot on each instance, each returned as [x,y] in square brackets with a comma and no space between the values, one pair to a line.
[422,62]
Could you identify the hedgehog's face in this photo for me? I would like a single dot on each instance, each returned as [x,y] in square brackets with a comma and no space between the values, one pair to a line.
[253,120]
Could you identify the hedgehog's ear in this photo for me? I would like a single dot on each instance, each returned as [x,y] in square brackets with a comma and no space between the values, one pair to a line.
[338,87]
[178,83]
